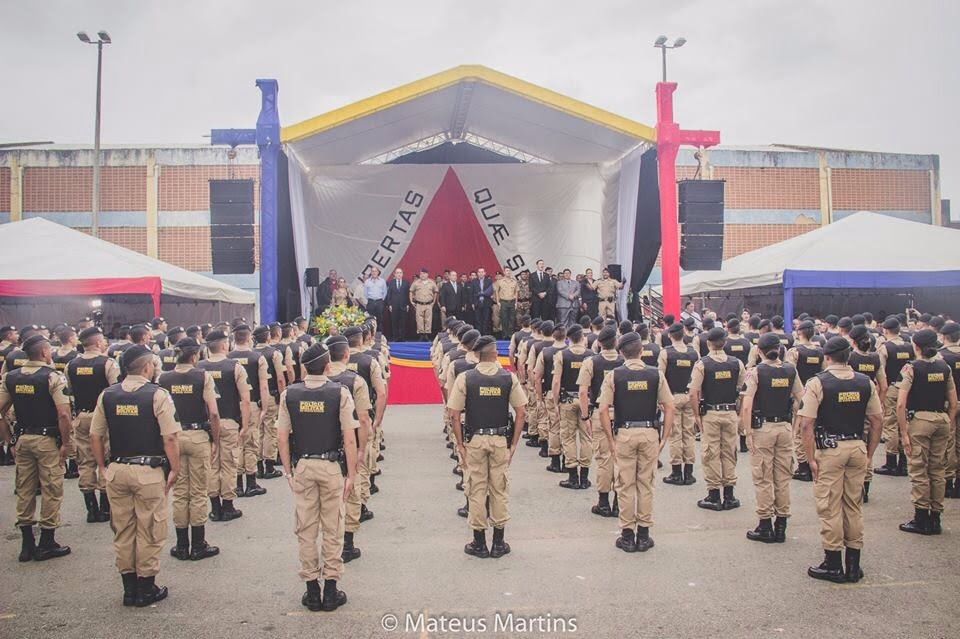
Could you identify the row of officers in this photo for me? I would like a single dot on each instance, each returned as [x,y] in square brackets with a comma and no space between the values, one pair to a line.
[618,396]
[198,430]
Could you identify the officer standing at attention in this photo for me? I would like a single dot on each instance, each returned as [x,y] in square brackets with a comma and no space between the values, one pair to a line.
[66,350]
[88,375]
[158,333]
[255,365]
[233,407]
[505,296]
[714,383]
[367,365]
[36,393]
[766,414]
[576,434]
[542,380]
[676,362]
[168,355]
[276,382]
[139,418]
[487,441]
[606,288]
[195,398]
[951,355]
[835,405]
[894,354]
[806,356]
[423,296]
[316,429]
[926,388]
[863,361]
[634,391]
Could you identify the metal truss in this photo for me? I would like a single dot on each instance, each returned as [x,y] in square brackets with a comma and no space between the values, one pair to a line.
[470,138]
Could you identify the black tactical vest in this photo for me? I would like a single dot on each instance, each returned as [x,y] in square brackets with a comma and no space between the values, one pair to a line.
[6,350]
[738,347]
[650,354]
[601,366]
[347,379]
[462,366]
[952,359]
[315,417]
[679,368]
[785,340]
[114,350]
[635,394]
[774,389]
[225,379]
[897,356]
[844,406]
[809,362]
[131,422]
[720,380]
[15,359]
[168,359]
[250,360]
[753,336]
[866,363]
[591,340]
[449,346]
[702,346]
[571,369]
[546,381]
[31,399]
[160,339]
[267,351]
[456,354]
[296,349]
[88,378]
[487,399]
[186,389]
[60,361]
[929,388]
[361,364]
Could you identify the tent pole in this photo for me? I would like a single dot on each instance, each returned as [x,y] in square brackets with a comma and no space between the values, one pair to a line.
[788,306]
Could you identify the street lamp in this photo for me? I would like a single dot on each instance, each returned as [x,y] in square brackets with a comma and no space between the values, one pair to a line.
[102,38]
[661,43]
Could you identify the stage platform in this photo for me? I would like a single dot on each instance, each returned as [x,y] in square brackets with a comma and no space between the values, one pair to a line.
[412,378]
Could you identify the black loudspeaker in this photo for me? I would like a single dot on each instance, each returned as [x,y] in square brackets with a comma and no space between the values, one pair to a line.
[701,222]
[616,271]
[312,276]
[231,226]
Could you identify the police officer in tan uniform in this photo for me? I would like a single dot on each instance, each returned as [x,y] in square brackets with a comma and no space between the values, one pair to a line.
[423,296]
[862,360]
[542,373]
[593,371]
[951,355]
[256,367]
[806,356]
[533,414]
[36,392]
[835,405]
[276,382]
[576,436]
[606,288]
[505,296]
[138,416]
[487,441]
[316,427]
[894,353]
[676,362]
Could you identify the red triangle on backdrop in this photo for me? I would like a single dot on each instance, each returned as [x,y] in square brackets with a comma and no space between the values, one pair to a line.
[449,235]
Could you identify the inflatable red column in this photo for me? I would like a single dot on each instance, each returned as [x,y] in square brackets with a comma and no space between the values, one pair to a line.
[669,139]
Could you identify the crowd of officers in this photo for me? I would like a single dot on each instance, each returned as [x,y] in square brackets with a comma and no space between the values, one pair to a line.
[203,412]
[810,404]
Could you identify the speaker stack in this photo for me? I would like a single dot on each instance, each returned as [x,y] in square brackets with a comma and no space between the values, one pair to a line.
[231,226]
[701,224]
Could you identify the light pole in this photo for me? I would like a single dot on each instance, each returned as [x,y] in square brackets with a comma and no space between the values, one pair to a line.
[102,38]
[661,43]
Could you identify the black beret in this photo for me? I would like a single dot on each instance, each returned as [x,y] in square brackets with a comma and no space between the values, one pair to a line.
[193,329]
[7,329]
[134,353]
[716,334]
[777,321]
[258,331]
[950,328]
[858,332]
[241,327]
[335,339]
[299,318]
[366,328]
[668,319]
[733,323]
[216,336]
[803,316]
[596,321]
[463,329]
[689,322]
[675,328]
[33,340]
[175,330]
[89,332]
[607,333]
[483,342]
[469,337]
[536,322]
[768,341]
[836,345]
[924,338]
[316,351]
[350,331]
[187,343]
[845,322]
[28,328]
[831,319]
[274,325]
[628,338]
[891,323]
[451,321]
[157,321]
[926,317]
[804,325]
[763,322]
[902,317]
[547,327]
[575,332]
[937,322]
[858,319]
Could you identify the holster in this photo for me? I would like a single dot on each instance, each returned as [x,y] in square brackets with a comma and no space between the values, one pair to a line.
[342,460]
[911,414]
[756,420]
[294,456]
[702,407]
[823,440]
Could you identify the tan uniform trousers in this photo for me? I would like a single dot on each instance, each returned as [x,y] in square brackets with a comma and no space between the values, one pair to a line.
[319,508]
[798,450]
[682,437]
[424,314]
[268,429]
[533,413]
[636,451]
[190,489]
[138,517]
[488,459]
[603,455]
[355,498]
[89,477]
[772,463]
[551,416]
[891,429]
[375,450]
[868,476]
[838,493]
[928,448]
[607,309]
[223,466]
[495,317]
[719,442]
[953,448]
[38,464]
[576,436]
[250,445]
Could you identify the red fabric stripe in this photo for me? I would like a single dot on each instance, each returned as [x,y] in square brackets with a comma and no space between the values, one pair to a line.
[94,286]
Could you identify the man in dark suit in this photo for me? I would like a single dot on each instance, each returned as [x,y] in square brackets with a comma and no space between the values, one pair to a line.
[452,297]
[398,301]
[483,301]
[539,290]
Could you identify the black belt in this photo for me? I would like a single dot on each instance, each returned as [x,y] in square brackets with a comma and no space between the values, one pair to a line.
[423,303]
[196,426]
[491,431]
[45,431]
[330,455]
[153,461]
[847,437]
[607,299]
[643,424]
[721,406]
[778,418]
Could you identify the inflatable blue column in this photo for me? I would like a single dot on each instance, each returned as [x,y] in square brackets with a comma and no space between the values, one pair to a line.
[268,141]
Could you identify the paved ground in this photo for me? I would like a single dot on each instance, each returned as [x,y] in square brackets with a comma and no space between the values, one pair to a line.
[703,578]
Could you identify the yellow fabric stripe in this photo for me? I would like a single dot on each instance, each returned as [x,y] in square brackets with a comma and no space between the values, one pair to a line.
[420,363]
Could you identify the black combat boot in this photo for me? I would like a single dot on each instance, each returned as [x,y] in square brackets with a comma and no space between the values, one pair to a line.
[572,480]
[253,489]
[459,485]
[72,472]
[311,598]
[902,465]
[729,501]
[676,475]
[615,511]
[216,509]
[270,471]
[450,445]
[935,527]
[229,512]
[374,489]
[626,541]
[585,477]
[93,508]
[780,530]
[182,550]
[603,506]
[260,469]
[104,505]
[888,468]
[763,532]
[803,472]
[332,598]
[533,441]
[29,544]
[463,512]
[10,457]
[644,540]
[948,489]
[48,548]
[365,514]
[498,547]
[544,448]
[129,580]
[920,523]
[3,454]
[554,466]
[240,492]
[831,569]
[712,500]
[743,444]
[380,457]
[350,552]
[478,547]
[854,572]
[148,592]
[866,492]
[200,549]
[688,478]
[453,456]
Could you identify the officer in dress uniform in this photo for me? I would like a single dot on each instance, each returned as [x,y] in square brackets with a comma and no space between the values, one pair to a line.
[606,288]
[714,386]
[255,365]
[835,404]
[634,391]
[139,418]
[316,430]
[505,292]
[233,407]
[542,379]
[423,297]
[487,441]
[276,382]
[951,355]
[806,356]
[766,414]
[593,371]
[576,434]
[36,393]
[862,360]
[676,362]
[195,399]
[926,410]
[168,355]
[88,375]
[894,354]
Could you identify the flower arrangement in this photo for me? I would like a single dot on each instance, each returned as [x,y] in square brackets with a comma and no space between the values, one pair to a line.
[340,316]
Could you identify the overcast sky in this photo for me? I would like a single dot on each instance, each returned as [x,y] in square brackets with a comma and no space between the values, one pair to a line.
[861,74]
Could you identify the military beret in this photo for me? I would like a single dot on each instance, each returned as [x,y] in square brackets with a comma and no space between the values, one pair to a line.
[607,333]
[575,332]
[284,325]
[134,353]
[937,322]
[175,330]
[627,339]
[366,329]
[867,315]
[668,319]
[803,316]
[831,319]
[596,321]
[216,336]
[33,340]
[335,339]
[274,324]
[858,319]
[206,327]
[763,323]
[315,352]
[350,331]
[299,318]
[463,329]
[194,329]
[902,317]
[536,323]
[28,328]
[451,321]
[483,342]
[768,341]
[89,332]
[262,329]
[547,327]
[845,322]
[8,329]
[716,334]
[187,343]
[733,323]
[777,321]
[240,327]
[858,332]
[925,318]
[836,345]
[689,322]
[470,337]
[157,321]
[675,328]
[950,328]
[805,325]
[891,323]
[924,338]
